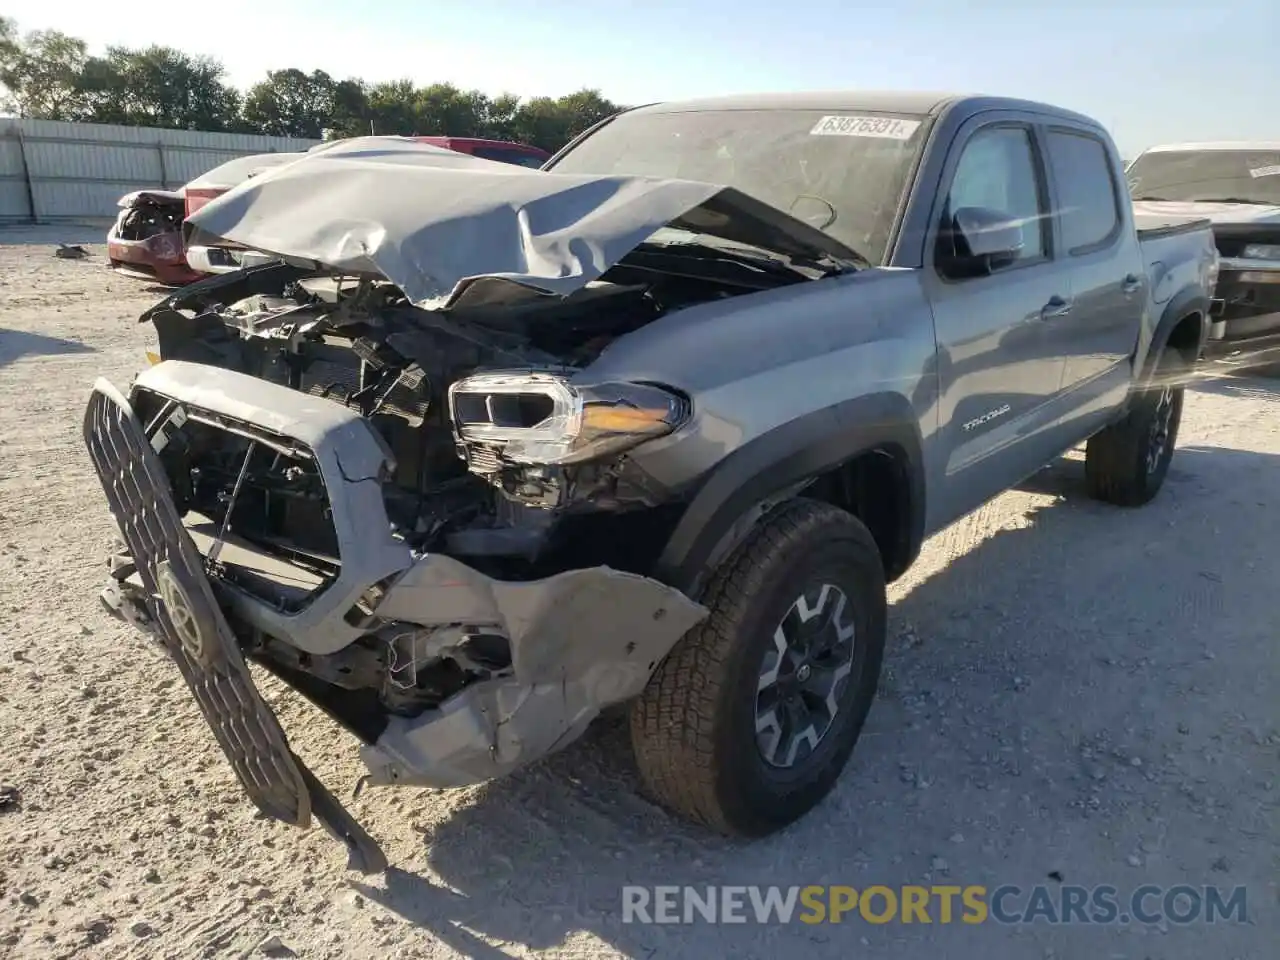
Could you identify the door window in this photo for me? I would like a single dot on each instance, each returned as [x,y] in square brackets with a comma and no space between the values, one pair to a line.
[999,171]
[1087,191]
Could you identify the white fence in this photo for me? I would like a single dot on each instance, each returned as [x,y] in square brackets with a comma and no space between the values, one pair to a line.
[55,172]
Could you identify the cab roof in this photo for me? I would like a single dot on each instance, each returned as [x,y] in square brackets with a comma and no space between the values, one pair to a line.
[917,102]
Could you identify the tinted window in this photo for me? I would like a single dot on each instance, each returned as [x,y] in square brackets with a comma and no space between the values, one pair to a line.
[841,174]
[998,171]
[1086,189]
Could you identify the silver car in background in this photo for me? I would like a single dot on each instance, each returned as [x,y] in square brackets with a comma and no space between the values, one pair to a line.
[1236,186]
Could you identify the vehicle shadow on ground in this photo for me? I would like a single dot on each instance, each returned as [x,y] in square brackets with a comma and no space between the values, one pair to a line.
[958,730]
[15,344]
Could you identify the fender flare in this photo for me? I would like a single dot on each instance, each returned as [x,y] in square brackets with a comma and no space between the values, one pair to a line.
[1185,303]
[776,465]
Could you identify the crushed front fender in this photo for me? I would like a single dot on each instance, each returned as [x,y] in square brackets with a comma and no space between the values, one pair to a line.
[580,641]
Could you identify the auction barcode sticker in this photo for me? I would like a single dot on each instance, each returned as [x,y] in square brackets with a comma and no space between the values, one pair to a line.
[1270,171]
[888,128]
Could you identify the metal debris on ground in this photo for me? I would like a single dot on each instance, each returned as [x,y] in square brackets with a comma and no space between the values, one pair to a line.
[10,798]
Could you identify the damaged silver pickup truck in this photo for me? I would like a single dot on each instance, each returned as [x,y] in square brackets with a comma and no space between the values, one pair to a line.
[478,450]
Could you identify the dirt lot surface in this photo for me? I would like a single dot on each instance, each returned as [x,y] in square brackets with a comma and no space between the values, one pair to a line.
[1071,690]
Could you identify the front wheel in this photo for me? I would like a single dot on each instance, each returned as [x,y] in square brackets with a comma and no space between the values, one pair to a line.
[749,721]
[1126,463]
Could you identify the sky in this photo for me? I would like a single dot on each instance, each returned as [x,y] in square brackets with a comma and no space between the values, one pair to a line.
[1150,71]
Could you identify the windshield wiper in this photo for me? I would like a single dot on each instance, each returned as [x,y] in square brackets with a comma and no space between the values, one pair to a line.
[763,263]
[760,258]
[1155,199]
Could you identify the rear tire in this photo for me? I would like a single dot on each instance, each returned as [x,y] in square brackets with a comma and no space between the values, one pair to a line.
[744,732]
[1126,463]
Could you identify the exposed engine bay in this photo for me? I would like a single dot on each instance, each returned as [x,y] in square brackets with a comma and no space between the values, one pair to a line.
[499,461]
[145,241]
[146,213]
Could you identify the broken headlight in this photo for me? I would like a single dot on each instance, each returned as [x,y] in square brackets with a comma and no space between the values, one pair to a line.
[508,418]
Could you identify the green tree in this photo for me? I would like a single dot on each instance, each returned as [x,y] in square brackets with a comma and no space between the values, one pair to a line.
[392,108]
[443,109]
[351,113]
[550,124]
[584,109]
[541,123]
[158,87]
[39,72]
[290,103]
[49,74]
[503,110]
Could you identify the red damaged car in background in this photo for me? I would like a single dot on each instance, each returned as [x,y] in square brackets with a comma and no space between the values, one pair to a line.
[146,240]
[504,151]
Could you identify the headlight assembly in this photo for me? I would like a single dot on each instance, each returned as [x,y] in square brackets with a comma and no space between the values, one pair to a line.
[1262,251]
[531,418]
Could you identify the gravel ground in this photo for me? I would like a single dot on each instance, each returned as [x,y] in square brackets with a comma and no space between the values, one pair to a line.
[1070,690]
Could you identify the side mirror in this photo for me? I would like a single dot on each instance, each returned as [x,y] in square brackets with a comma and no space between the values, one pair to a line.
[983,240]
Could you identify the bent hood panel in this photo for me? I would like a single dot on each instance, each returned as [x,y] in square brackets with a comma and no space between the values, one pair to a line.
[156,197]
[432,220]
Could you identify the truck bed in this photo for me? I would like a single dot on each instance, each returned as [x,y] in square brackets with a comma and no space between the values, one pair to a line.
[1151,226]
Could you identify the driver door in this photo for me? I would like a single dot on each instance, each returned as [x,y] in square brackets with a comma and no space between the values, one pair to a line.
[999,361]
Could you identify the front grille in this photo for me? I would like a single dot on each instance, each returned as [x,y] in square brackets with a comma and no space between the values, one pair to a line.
[258,511]
[191,625]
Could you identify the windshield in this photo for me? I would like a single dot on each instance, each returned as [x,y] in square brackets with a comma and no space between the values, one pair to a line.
[842,174]
[1248,176]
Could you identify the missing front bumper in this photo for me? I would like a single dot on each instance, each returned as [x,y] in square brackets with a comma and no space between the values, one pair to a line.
[580,641]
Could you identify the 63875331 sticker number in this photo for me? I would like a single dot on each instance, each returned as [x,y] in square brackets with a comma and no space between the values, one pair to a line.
[886,128]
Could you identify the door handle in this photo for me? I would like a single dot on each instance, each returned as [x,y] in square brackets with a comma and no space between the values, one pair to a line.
[1055,308]
[1131,284]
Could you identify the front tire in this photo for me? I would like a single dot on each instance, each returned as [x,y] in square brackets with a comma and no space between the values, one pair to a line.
[750,720]
[1126,463]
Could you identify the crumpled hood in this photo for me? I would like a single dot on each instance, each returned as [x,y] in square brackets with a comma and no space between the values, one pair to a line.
[141,197]
[432,220]
[1223,213]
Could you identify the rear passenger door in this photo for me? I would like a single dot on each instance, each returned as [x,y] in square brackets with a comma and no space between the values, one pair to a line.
[999,365]
[1108,276]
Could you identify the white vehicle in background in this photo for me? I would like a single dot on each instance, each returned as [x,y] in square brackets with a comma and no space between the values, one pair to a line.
[1236,186]
[208,186]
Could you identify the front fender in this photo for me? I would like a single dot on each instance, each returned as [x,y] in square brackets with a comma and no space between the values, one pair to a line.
[775,465]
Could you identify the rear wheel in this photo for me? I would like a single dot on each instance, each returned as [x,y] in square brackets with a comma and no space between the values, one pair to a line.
[750,720]
[1126,463]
